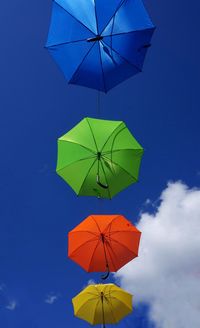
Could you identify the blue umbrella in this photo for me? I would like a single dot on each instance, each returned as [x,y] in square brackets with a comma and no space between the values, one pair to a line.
[99,43]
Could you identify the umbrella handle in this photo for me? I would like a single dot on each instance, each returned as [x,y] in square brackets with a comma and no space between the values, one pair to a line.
[106,275]
[101,184]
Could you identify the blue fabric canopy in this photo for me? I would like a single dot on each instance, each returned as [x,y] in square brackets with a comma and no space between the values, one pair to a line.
[99,43]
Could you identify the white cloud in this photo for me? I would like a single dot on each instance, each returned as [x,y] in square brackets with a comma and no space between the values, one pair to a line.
[91,282]
[167,272]
[11,306]
[51,299]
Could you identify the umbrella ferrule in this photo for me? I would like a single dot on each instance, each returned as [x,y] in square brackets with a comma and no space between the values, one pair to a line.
[102,237]
[99,155]
[97,38]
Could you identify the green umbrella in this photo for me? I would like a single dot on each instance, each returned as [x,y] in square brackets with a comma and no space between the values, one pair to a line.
[99,158]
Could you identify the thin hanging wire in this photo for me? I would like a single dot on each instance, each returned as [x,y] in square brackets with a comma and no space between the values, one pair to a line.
[98,104]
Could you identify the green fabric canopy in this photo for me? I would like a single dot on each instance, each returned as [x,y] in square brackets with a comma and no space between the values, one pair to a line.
[99,158]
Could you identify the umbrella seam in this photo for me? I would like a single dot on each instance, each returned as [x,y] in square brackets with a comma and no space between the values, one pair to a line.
[96,308]
[118,7]
[76,143]
[62,43]
[122,245]
[74,76]
[93,255]
[93,233]
[74,17]
[116,217]
[96,224]
[111,134]
[127,61]
[129,149]
[80,160]
[92,134]
[77,249]
[123,170]
[111,307]
[97,25]
[119,300]
[134,31]
[76,313]
[87,175]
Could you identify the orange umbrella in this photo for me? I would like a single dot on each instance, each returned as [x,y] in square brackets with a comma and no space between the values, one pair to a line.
[103,243]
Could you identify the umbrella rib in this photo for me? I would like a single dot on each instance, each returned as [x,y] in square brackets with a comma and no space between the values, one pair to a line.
[74,17]
[96,224]
[111,307]
[92,233]
[118,7]
[62,43]
[108,226]
[92,134]
[77,69]
[122,245]
[96,17]
[93,254]
[123,169]
[113,141]
[131,64]
[117,231]
[87,174]
[83,244]
[111,135]
[119,300]
[97,303]
[116,150]
[96,296]
[79,160]
[76,313]
[121,33]
[76,143]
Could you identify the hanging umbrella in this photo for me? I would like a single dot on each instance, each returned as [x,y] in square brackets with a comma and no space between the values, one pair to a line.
[102,304]
[99,158]
[99,43]
[103,243]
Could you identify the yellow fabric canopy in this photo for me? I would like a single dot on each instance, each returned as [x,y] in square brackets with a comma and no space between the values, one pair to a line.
[102,304]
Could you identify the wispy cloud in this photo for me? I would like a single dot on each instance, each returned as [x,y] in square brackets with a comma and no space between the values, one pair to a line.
[11,306]
[91,282]
[2,287]
[51,298]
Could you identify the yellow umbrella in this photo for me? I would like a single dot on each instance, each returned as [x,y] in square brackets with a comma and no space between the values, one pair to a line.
[102,304]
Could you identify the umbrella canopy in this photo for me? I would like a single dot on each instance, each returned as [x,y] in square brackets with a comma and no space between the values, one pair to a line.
[99,43]
[99,158]
[102,304]
[103,243]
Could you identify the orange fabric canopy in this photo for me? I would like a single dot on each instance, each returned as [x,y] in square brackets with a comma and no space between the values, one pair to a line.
[103,243]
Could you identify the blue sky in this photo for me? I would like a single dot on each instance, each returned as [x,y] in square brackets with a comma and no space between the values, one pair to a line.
[37,209]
